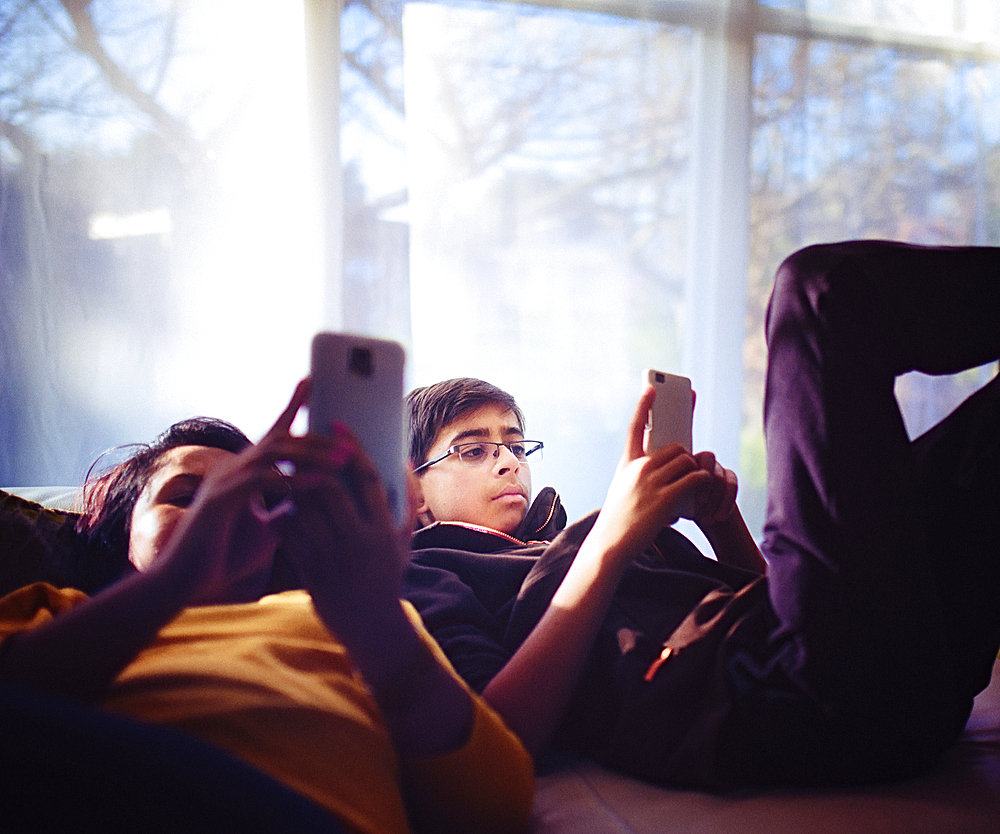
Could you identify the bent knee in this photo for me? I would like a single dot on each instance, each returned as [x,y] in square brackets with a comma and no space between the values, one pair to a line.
[800,284]
[822,286]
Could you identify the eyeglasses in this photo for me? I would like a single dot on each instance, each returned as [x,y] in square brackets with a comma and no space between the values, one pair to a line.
[476,454]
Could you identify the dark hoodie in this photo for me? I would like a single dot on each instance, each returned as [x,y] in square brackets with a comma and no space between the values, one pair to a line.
[480,592]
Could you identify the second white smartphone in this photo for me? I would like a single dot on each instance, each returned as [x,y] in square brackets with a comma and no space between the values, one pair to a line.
[670,417]
[358,381]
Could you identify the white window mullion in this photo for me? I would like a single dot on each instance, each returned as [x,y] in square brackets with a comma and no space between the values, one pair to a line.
[718,242]
[323,58]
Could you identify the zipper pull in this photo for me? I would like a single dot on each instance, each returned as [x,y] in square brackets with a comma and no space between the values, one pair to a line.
[654,667]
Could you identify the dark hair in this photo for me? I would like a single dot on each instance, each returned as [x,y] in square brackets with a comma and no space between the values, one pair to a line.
[433,407]
[110,498]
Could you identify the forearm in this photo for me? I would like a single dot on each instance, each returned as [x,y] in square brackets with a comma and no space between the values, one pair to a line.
[81,651]
[733,544]
[533,689]
[426,709]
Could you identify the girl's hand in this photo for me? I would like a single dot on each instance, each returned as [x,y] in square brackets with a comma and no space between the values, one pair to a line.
[342,538]
[223,548]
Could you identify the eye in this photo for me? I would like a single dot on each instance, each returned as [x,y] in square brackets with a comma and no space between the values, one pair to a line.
[472,452]
[179,492]
[179,499]
[518,450]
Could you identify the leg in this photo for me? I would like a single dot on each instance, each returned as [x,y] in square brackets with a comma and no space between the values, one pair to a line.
[958,466]
[853,580]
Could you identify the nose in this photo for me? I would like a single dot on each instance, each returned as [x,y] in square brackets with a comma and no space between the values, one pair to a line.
[505,460]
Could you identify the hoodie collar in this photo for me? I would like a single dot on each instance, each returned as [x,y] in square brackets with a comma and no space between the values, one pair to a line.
[544,519]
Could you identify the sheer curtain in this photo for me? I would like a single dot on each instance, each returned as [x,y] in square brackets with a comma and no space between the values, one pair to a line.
[550,196]
[157,244]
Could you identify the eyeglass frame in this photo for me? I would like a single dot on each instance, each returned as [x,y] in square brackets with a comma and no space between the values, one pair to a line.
[456,450]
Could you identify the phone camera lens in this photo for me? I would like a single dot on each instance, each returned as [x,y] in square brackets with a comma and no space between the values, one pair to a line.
[360,362]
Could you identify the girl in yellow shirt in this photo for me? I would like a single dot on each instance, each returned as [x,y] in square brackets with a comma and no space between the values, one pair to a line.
[335,690]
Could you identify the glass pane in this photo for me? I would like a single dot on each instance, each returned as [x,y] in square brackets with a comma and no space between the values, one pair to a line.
[549,193]
[976,19]
[866,143]
[153,195]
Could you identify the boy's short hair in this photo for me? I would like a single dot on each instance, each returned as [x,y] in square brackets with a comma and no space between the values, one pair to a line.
[433,407]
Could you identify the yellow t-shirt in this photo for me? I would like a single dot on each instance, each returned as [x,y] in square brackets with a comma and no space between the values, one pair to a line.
[267,682]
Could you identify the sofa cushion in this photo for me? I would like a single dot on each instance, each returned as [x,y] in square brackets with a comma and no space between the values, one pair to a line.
[63,498]
[43,545]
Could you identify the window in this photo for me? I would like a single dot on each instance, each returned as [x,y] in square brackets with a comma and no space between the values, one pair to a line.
[598,192]
[552,197]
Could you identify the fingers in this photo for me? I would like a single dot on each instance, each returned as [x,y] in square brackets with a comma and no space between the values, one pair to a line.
[332,473]
[283,424]
[720,495]
[729,502]
[270,515]
[692,486]
[342,531]
[336,467]
[637,426]
[373,502]
[706,460]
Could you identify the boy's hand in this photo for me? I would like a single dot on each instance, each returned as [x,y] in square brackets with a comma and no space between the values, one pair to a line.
[650,492]
[718,501]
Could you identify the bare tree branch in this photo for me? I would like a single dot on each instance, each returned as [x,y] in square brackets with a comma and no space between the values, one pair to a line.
[174,130]
[375,75]
[19,138]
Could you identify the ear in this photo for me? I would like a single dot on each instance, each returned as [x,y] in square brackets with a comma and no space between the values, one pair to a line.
[418,504]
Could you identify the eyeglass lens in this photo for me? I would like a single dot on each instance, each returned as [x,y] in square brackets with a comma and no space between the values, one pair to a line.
[475,453]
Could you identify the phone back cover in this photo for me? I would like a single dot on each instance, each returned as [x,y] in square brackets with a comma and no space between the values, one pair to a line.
[366,394]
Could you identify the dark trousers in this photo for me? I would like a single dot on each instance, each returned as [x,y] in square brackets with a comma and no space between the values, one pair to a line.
[884,554]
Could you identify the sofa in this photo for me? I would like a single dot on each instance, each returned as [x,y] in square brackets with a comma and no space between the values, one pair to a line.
[961,797]
[37,542]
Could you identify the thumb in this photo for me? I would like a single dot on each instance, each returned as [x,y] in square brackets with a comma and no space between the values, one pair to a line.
[637,426]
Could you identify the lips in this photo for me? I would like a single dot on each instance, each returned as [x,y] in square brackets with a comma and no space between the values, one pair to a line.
[513,492]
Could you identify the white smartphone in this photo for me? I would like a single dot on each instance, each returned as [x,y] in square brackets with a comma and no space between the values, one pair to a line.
[358,381]
[670,418]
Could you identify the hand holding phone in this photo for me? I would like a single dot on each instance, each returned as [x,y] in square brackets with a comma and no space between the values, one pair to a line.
[671,415]
[358,381]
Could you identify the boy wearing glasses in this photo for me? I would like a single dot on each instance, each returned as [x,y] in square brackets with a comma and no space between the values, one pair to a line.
[516,601]
[851,656]
[469,438]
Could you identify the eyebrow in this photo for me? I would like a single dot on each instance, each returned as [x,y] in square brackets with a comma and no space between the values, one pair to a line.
[507,431]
